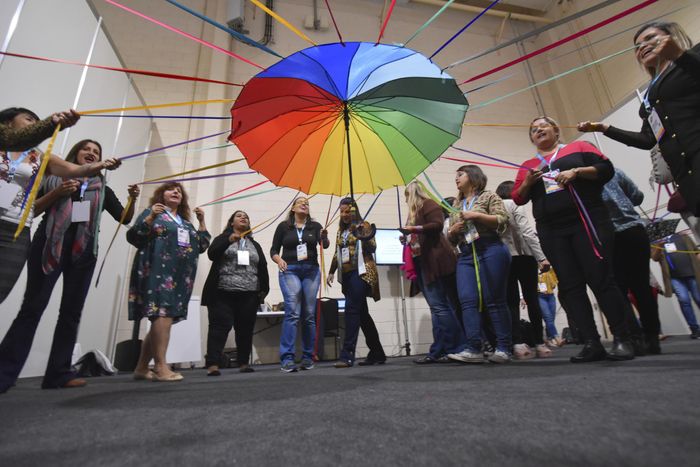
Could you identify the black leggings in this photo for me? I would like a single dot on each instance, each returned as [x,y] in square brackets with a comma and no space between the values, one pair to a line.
[237,310]
[631,262]
[569,250]
[523,269]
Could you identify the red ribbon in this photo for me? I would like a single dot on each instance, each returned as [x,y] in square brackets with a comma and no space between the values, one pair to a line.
[236,192]
[563,41]
[386,21]
[125,70]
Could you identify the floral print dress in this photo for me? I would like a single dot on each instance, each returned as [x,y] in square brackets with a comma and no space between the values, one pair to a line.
[163,272]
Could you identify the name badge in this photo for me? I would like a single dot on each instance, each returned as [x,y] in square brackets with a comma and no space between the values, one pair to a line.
[8,194]
[656,125]
[551,185]
[243,257]
[81,211]
[543,287]
[345,255]
[302,253]
[670,247]
[183,237]
[471,234]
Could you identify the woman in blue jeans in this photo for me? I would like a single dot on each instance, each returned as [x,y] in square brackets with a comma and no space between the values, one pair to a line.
[300,278]
[434,260]
[482,266]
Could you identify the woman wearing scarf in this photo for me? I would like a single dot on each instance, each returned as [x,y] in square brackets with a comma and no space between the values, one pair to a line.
[355,245]
[565,184]
[65,243]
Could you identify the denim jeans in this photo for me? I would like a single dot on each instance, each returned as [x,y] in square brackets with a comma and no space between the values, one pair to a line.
[684,288]
[548,305]
[299,284]
[448,336]
[494,262]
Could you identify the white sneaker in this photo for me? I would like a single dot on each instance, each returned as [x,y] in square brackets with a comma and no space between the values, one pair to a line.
[467,357]
[543,351]
[499,356]
[522,352]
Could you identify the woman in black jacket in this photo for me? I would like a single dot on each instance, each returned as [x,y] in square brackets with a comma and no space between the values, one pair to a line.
[671,107]
[236,285]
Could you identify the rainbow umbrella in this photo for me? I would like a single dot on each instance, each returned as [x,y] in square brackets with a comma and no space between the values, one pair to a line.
[351,117]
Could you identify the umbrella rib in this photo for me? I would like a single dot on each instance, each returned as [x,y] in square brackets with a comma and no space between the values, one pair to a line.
[414,116]
[321,101]
[352,123]
[330,79]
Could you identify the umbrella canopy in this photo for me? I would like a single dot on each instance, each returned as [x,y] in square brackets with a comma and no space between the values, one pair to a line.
[398,111]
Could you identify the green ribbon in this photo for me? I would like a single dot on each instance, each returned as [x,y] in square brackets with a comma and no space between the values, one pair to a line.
[236,198]
[560,75]
[427,23]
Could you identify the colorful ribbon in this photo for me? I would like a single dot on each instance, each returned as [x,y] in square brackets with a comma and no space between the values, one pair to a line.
[150,151]
[335,25]
[566,39]
[188,117]
[29,201]
[134,71]
[155,106]
[226,29]
[427,23]
[201,177]
[464,28]
[283,21]
[234,193]
[386,21]
[111,242]
[552,78]
[182,33]
[186,172]
[237,198]
[586,221]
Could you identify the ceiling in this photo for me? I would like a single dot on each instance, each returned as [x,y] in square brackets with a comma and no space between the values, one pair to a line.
[531,7]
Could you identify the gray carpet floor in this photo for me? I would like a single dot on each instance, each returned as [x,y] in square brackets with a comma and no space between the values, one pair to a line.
[534,413]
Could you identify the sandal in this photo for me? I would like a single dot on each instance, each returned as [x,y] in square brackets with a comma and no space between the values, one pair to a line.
[144,376]
[171,378]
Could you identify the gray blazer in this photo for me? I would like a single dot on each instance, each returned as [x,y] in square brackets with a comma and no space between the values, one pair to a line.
[520,238]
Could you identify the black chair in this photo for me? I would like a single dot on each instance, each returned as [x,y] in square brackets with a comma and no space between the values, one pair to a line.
[329,326]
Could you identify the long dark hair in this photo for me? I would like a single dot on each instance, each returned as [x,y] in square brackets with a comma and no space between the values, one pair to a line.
[290,217]
[72,155]
[477,179]
[9,114]
[229,228]
[347,202]
[505,189]
[183,210]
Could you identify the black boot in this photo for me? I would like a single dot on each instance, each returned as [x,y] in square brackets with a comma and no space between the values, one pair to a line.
[592,351]
[653,346]
[639,345]
[621,350]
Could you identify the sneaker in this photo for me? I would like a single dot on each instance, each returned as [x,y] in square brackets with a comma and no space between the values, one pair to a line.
[467,357]
[306,364]
[694,333]
[522,352]
[543,351]
[343,364]
[288,367]
[487,349]
[499,356]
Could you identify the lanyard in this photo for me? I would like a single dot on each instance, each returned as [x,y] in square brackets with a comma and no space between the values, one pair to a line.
[241,244]
[13,165]
[346,234]
[647,105]
[551,160]
[300,232]
[471,203]
[83,187]
[176,218]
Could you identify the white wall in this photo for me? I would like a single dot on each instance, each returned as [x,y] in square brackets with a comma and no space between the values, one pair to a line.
[48,87]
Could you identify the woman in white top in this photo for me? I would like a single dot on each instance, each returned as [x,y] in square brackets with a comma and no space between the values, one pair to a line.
[17,173]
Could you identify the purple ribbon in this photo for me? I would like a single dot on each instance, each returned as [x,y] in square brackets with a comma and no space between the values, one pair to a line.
[202,177]
[131,156]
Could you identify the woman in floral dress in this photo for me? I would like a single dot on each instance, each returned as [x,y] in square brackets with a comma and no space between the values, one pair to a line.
[163,272]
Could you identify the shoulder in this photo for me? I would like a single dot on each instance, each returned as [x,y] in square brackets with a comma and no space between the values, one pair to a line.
[315,225]
[581,147]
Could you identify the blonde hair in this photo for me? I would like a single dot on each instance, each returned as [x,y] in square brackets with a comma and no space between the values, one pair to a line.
[416,196]
[672,29]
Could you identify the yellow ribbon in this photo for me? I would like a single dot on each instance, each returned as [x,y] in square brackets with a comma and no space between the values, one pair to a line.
[516,125]
[283,21]
[200,169]
[111,242]
[155,106]
[37,183]
[693,252]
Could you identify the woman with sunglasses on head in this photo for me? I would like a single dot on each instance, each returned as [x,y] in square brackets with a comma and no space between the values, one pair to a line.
[64,244]
[357,273]
[300,278]
[163,272]
[17,172]
[565,184]
[237,284]
[670,111]
[482,265]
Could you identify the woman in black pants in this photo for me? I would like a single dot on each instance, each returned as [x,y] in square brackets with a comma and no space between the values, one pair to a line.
[565,184]
[236,285]
[64,244]
[526,258]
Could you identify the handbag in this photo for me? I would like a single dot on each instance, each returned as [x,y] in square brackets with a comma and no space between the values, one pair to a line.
[676,203]
[660,171]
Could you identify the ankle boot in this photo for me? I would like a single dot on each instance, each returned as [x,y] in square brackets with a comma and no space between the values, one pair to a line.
[592,351]
[621,350]
[652,344]
[639,345]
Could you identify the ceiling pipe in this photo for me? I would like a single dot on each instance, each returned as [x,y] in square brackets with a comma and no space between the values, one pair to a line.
[490,12]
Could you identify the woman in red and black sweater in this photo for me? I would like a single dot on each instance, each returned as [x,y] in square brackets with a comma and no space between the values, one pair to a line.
[565,183]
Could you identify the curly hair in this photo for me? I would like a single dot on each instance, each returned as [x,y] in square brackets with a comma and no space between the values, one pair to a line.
[183,210]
